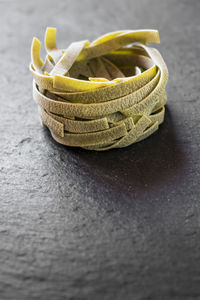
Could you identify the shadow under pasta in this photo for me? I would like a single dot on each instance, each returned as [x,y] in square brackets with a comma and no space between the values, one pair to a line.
[141,166]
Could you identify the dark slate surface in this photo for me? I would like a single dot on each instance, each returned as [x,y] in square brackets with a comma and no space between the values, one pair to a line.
[118,225]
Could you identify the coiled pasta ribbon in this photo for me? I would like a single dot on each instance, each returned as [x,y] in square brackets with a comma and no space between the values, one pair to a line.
[101,95]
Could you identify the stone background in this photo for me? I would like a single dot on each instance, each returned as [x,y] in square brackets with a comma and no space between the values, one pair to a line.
[123,224]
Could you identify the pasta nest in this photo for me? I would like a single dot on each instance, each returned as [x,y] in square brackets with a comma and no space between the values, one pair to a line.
[106,94]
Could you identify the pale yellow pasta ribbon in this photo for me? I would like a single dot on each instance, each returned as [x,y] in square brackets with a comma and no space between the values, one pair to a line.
[101,95]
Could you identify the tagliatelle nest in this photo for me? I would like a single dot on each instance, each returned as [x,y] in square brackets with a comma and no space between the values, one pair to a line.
[101,95]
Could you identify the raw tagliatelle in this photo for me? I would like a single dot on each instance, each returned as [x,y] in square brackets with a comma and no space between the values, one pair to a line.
[101,95]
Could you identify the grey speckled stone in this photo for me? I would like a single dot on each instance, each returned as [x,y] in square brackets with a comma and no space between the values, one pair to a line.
[123,224]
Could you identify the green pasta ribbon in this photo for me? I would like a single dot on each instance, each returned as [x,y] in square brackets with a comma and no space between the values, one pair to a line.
[106,94]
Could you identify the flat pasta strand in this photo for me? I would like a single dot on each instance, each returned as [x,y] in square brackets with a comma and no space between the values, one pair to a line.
[106,94]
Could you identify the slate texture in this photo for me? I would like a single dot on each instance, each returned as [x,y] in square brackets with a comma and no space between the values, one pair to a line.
[123,224]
